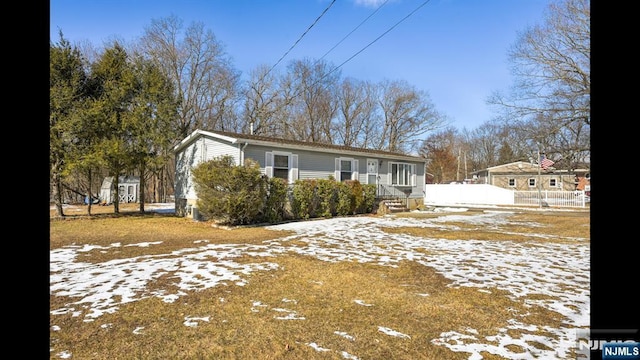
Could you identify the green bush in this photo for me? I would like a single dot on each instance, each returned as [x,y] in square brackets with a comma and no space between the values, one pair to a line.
[239,195]
[232,194]
[275,206]
[304,202]
[327,197]
[369,199]
[346,201]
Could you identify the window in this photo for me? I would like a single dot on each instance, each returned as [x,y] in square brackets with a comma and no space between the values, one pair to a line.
[402,174]
[512,182]
[532,182]
[281,165]
[553,182]
[346,169]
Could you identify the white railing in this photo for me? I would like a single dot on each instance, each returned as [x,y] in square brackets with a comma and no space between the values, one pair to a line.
[551,198]
[126,198]
[484,194]
[385,191]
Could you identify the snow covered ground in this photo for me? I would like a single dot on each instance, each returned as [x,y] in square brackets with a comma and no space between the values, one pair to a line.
[561,271]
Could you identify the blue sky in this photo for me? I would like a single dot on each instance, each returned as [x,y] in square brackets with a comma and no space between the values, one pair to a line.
[455,50]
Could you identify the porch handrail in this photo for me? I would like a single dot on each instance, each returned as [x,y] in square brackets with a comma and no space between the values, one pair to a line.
[385,191]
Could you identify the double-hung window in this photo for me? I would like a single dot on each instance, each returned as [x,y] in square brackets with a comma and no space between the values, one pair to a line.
[282,165]
[346,169]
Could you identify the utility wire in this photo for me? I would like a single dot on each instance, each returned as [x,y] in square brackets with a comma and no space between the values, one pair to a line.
[300,38]
[354,29]
[365,47]
[354,55]
[376,39]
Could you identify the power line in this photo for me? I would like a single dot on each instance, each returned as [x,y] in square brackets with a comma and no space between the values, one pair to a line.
[300,38]
[376,39]
[354,29]
[365,47]
[354,55]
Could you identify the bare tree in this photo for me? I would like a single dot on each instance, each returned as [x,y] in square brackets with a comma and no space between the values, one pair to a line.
[551,68]
[314,106]
[441,155]
[482,143]
[265,103]
[356,113]
[569,146]
[408,114]
[199,67]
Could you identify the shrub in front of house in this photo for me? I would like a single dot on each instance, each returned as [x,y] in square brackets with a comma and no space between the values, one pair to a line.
[369,200]
[275,209]
[230,194]
[304,200]
[355,198]
[346,199]
[241,195]
[327,197]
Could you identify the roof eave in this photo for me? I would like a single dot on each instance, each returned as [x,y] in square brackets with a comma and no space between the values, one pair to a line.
[196,134]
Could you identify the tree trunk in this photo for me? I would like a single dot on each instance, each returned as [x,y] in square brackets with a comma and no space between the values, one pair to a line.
[141,190]
[57,191]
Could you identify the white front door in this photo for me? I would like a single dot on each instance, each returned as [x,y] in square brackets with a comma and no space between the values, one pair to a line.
[372,171]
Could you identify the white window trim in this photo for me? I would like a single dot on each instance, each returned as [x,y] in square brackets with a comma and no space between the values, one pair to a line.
[534,182]
[412,181]
[354,168]
[293,164]
[515,182]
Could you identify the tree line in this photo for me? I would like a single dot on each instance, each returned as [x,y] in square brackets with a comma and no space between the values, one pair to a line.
[121,109]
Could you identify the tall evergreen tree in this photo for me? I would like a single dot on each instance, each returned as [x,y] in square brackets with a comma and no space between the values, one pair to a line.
[151,121]
[67,89]
[116,86]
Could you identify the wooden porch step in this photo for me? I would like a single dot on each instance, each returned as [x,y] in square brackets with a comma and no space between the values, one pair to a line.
[394,206]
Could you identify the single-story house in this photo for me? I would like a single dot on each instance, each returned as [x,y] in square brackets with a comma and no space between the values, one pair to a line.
[522,176]
[396,175]
[128,187]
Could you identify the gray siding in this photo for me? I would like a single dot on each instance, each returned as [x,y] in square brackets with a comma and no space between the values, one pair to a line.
[311,164]
[321,165]
[202,149]
[186,159]
[257,153]
[216,148]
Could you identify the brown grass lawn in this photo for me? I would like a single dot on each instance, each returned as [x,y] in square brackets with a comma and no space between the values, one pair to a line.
[228,321]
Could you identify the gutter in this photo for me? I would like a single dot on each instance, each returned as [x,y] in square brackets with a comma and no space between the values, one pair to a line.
[242,153]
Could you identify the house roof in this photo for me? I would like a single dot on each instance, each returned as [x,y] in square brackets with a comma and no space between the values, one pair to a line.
[122,179]
[523,166]
[516,164]
[236,138]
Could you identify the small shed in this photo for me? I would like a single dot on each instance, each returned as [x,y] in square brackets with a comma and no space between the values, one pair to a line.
[128,189]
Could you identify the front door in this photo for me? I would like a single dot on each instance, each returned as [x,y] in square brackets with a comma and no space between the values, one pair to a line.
[372,171]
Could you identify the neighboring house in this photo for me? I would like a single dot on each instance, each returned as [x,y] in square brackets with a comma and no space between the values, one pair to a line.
[397,175]
[128,187]
[522,176]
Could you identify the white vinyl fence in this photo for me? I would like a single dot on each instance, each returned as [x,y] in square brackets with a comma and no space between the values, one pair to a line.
[551,198]
[483,194]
